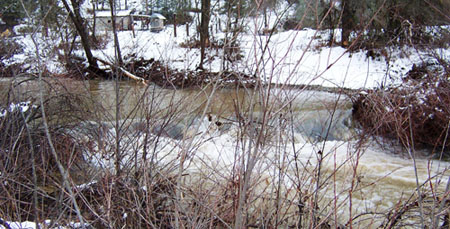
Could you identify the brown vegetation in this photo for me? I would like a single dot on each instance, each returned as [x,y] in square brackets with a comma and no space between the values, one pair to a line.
[9,47]
[160,74]
[416,114]
[25,155]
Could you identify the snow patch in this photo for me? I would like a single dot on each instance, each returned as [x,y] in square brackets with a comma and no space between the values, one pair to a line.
[13,107]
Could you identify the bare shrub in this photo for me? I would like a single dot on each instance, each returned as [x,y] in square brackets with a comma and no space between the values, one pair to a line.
[119,201]
[30,180]
[416,114]
[8,48]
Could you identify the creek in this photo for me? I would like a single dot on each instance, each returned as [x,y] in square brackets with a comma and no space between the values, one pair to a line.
[299,122]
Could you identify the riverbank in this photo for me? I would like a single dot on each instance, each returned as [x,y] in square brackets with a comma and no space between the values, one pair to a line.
[291,57]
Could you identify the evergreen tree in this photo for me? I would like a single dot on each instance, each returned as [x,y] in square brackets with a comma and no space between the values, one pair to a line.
[50,15]
[405,20]
[11,11]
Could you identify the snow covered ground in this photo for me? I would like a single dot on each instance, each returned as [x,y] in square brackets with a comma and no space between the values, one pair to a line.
[32,225]
[291,57]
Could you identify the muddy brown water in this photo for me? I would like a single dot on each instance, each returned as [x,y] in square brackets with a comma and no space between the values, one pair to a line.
[311,112]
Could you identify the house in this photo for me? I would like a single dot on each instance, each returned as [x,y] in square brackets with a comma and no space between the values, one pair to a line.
[157,22]
[125,20]
[103,20]
[154,22]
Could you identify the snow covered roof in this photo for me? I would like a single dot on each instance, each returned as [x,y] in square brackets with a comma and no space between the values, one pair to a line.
[107,13]
[158,15]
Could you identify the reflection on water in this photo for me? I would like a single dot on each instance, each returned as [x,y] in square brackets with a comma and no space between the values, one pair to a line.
[310,110]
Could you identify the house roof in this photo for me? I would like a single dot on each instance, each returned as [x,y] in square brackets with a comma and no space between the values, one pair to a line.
[158,15]
[107,13]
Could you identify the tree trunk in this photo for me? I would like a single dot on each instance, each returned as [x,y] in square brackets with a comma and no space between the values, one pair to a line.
[348,22]
[204,30]
[331,22]
[175,25]
[82,31]
[187,29]
[94,10]
[266,23]
[44,10]
[116,39]
[146,7]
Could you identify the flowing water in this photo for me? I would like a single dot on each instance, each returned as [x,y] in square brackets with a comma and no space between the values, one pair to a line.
[300,122]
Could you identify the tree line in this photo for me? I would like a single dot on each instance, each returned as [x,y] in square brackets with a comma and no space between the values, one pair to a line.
[378,22]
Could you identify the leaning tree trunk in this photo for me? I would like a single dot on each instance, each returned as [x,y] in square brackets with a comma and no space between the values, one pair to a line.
[82,31]
[204,30]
